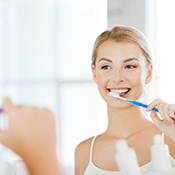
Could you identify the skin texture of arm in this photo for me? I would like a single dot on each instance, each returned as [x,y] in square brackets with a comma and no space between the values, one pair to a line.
[31,133]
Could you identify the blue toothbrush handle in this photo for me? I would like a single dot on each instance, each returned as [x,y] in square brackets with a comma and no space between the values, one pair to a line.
[137,103]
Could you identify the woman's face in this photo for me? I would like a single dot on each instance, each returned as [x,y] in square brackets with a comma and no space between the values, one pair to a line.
[121,67]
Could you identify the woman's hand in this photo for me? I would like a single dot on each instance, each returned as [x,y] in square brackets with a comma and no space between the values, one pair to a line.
[28,127]
[165,119]
[31,133]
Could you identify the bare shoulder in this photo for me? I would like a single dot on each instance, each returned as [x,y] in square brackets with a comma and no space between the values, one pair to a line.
[82,154]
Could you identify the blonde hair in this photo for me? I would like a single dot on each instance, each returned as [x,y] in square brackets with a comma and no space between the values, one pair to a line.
[119,34]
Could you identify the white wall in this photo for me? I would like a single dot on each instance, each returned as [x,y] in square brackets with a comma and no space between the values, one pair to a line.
[165,50]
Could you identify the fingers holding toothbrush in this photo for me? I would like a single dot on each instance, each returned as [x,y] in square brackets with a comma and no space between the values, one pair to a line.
[165,119]
[166,110]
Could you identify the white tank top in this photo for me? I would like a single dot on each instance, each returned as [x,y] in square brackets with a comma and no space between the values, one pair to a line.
[92,169]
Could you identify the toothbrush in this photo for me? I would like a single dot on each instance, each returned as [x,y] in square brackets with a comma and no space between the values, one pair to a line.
[1,110]
[137,103]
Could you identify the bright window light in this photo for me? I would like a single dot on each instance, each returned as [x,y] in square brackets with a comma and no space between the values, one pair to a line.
[165,49]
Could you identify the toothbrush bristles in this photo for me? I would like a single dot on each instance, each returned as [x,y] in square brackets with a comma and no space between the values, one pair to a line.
[116,95]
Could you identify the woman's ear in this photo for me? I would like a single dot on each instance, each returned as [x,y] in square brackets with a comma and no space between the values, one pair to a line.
[94,73]
[149,73]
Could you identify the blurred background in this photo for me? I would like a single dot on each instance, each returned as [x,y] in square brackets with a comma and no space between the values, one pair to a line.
[45,57]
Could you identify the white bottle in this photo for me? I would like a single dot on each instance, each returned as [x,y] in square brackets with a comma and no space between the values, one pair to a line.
[160,155]
[4,165]
[126,159]
[20,167]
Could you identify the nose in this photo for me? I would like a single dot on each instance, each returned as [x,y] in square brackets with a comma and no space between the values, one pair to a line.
[118,76]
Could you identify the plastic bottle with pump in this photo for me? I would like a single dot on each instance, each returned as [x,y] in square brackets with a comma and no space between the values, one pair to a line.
[160,155]
[126,159]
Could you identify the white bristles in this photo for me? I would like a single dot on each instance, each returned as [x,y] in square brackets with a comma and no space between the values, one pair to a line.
[116,95]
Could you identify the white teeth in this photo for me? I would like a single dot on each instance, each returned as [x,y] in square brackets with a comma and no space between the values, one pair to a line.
[120,91]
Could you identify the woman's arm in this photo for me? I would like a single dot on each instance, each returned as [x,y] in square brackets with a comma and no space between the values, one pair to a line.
[31,133]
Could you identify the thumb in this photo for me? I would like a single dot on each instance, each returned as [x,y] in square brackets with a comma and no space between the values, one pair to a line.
[7,104]
[155,118]
[4,122]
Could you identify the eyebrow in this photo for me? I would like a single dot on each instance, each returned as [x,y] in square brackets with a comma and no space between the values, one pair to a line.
[105,59]
[130,59]
[125,61]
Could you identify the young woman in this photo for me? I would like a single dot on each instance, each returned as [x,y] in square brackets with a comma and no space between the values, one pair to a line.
[122,63]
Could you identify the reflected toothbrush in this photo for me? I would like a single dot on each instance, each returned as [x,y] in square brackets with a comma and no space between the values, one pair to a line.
[1,110]
[137,103]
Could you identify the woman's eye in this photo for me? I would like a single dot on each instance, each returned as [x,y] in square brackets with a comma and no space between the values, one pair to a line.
[130,67]
[106,67]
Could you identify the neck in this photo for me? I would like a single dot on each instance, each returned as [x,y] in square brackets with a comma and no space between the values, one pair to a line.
[122,123]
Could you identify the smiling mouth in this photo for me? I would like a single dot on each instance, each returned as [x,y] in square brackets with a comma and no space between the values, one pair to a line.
[120,92]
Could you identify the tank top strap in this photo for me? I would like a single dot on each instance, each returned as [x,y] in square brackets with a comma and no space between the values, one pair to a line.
[163,136]
[91,148]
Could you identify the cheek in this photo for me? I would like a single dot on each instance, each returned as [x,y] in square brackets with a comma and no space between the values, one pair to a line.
[138,84]
[138,80]
[101,80]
